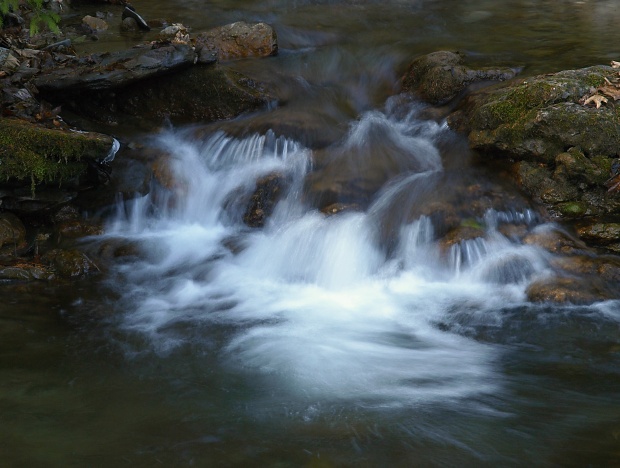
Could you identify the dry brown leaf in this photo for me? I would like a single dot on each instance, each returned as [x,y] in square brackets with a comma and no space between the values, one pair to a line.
[613,91]
[597,99]
[613,184]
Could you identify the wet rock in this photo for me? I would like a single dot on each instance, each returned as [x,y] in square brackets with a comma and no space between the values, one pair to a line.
[114,70]
[199,94]
[562,150]
[540,117]
[605,234]
[440,76]
[571,290]
[94,23]
[24,271]
[65,213]
[114,249]
[268,191]
[36,154]
[12,231]
[130,12]
[605,267]
[336,208]
[69,263]
[46,198]
[132,177]
[508,269]
[164,174]
[76,228]
[459,235]
[8,62]
[176,33]
[237,40]
[129,25]
[555,240]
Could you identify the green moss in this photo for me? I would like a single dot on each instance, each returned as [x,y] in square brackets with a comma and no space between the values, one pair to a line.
[572,209]
[594,80]
[471,223]
[38,154]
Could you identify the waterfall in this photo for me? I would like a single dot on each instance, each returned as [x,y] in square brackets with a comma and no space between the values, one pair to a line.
[325,305]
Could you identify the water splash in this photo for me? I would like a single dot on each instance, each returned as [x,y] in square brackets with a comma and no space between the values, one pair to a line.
[316,302]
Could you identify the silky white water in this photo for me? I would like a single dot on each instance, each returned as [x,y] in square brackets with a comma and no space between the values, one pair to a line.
[317,302]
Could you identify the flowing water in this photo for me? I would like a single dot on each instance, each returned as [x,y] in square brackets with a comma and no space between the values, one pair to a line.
[354,339]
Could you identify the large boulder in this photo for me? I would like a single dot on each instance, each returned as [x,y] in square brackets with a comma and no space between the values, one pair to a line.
[562,150]
[237,40]
[440,76]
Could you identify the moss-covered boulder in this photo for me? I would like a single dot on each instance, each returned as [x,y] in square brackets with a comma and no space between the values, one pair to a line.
[440,76]
[35,154]
[562,149]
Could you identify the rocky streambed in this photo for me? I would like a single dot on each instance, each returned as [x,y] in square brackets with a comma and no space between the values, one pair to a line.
[556,137]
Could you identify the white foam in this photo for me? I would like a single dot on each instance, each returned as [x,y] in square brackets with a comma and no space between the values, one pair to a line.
[315,302]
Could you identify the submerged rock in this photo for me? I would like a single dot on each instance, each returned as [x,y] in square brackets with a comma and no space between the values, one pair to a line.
[268,191]
[94,23]
[440,76]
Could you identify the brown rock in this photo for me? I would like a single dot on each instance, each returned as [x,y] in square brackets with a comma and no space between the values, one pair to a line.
[555,241]
[94,23]
[600,233]
[440,76]
[12,231]
[564,290]
[237,40]
[269,190]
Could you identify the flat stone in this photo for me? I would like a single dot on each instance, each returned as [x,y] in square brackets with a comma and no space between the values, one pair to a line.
[118,69]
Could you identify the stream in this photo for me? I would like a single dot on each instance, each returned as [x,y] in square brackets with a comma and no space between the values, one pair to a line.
[353,339]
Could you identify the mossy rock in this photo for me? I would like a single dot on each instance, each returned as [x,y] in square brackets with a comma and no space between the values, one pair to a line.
[440,76]
[539,117]
[37,154]
[561,150]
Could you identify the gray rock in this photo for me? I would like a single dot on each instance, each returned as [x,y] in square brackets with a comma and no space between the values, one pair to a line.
[118,69]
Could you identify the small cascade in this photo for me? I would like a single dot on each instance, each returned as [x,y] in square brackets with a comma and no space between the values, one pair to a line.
[339,306]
